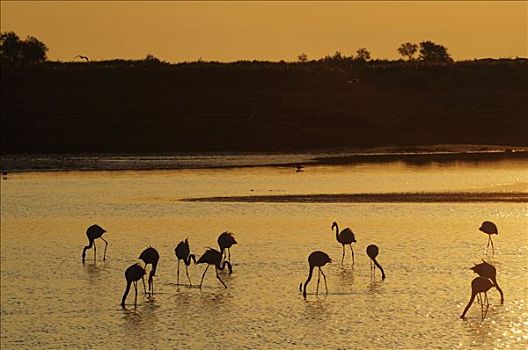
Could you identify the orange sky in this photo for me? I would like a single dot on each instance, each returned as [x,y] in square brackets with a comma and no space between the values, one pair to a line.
[229,31]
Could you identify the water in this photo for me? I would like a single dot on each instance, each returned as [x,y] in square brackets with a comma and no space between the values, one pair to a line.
[50,300]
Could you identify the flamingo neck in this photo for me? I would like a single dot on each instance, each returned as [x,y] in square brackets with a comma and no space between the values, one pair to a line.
[189,258]
[308,279]
[337,232]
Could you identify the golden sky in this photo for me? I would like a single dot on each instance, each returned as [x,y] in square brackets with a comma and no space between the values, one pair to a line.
[230,31]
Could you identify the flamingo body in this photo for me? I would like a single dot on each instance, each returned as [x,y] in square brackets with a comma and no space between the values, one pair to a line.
[93,232]
[150,256]
[214,257]
[316,259]
[183,252]
[133,274]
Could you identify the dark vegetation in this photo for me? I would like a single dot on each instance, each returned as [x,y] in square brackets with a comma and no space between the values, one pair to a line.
[125,106]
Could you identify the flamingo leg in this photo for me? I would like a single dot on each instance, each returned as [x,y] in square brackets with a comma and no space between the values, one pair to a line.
[352,250]
[343,256]
[95,251]
[178,274]
[220,278]
[492,248]
[318,280]
[135,295]
[187,272]
[144,288]
[203,276]
[106,246]
[324,276]
[229,254]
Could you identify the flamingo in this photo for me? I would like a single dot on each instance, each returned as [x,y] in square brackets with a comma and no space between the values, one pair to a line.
[183,252]
[133,274]
[214,257]
[489,228]
[479,285]
[225,241]
[316,259]
[150,256]
[346,236]
[93,232]
[372,252]
[487,270]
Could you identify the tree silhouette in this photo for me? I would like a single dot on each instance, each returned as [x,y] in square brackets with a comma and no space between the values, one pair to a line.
[408,50]
[431,52]
[9,47]
[15,51]
[303,57]
[362,55]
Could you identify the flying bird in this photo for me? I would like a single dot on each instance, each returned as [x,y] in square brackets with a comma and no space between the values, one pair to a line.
[487,270]
[133,274]
[316,259]
[214,257]
[489,228]
[225,241]
[479,285]
[93,232]
[345,237]
[372,252]
[183,252]
[83,58]
[150,256]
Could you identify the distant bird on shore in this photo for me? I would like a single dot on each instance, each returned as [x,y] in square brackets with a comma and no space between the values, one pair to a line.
[4,175]
[83,58]
[150,256]
[372,252]
[133,274]
[225,241]
[346,236]
[93,232]
[214,257]
[487,270]
[489,228]
[299,168]
[183,252]
[316,259]
[479,285]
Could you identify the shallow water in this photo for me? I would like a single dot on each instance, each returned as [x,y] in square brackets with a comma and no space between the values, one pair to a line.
[50,300]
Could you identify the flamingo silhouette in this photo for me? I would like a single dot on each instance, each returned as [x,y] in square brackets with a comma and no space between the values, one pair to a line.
[372,252]
[487,270]
[479,285]
[133,274]
[83,57]
[150,256]
[316,259]
[93,232]
[489,228]
[183,252]
[226,241]
[346,236]
[214,257]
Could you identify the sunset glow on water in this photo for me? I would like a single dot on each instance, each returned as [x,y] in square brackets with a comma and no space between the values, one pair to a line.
[51,300]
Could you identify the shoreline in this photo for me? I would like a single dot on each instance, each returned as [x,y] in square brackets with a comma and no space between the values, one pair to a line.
[405,197]
[419,155]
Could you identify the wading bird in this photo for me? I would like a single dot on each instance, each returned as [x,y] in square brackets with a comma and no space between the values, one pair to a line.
[489,228]
[213,257]
[316,259]
[93,232]
[346,236]
[372,252]
[133,274]
[487,270]
[479,285]
[183,252]
[225,241]
[83,58]
[150,256]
